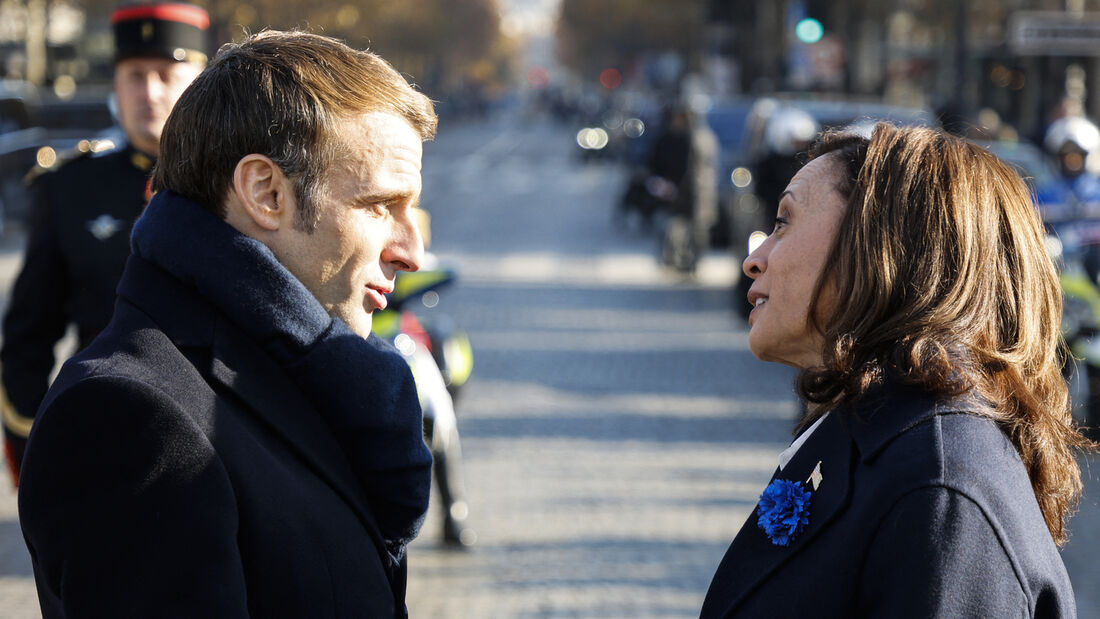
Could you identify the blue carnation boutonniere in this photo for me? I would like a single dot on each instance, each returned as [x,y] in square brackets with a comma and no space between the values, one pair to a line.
[784,510]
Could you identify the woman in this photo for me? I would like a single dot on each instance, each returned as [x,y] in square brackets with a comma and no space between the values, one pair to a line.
[907,278]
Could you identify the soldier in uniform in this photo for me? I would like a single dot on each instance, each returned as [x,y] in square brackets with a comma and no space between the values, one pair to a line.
[85,207]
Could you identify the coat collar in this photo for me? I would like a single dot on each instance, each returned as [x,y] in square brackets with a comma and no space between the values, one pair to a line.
[752,557]
[891,409]
[239,365]
[849,435]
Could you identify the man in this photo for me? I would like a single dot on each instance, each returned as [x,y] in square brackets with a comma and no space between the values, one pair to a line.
[235,443]
[684,157]
[83,211]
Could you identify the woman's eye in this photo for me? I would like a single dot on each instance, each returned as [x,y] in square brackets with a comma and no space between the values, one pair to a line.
[780,222]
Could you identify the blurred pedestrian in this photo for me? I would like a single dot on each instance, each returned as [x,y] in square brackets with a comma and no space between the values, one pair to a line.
[236,442]
[787,134]
[907,279]
[683,178]
[1074,144]
[84,208]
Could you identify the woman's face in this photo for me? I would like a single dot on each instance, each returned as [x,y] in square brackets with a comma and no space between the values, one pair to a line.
[786,267]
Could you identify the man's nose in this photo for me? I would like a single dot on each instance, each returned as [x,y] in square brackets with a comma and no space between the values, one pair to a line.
[152,87]
[405,251]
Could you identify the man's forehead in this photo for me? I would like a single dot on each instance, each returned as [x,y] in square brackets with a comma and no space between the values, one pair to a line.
[382,138]
[385,126]
[381,155]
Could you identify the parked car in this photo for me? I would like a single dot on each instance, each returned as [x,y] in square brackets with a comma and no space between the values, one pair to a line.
[1053,197]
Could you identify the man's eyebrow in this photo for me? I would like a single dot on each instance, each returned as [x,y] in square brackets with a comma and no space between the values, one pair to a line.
[786,192]
[390,197]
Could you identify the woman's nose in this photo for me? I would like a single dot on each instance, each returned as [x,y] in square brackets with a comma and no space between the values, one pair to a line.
[755,264]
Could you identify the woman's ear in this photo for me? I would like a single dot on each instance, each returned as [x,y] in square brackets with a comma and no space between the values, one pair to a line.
[263,192]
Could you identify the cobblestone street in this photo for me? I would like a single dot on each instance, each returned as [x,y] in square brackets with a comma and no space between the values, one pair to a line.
[616,431]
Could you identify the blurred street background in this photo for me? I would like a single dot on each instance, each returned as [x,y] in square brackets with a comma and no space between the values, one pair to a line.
[616,431]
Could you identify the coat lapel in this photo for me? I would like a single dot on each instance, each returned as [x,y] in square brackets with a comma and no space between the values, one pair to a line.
[752,557]
[242,368]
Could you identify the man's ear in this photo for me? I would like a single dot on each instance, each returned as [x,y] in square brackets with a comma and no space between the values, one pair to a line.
[263,192]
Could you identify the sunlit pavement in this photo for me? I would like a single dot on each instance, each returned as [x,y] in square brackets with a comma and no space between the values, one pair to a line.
[616,431]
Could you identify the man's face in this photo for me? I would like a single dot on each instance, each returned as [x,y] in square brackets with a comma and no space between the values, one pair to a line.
[366,231]
[146,89]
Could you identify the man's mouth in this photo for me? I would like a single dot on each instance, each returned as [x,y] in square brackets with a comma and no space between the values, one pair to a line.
[376,297]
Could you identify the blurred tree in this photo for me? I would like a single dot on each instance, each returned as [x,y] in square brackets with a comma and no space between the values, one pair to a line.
[442,44]
[596,34]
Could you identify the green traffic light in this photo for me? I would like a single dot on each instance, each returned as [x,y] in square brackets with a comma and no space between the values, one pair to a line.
[809,30]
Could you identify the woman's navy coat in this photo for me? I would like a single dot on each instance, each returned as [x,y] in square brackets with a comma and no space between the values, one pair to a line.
[924,509]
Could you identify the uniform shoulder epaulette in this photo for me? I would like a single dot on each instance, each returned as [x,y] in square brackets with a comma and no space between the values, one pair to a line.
[50,161]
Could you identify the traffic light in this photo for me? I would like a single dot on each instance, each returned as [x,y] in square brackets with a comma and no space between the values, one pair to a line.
[814,21]
[809,30]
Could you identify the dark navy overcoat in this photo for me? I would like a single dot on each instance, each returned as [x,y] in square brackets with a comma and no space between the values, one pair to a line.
[923,509]
[175,471]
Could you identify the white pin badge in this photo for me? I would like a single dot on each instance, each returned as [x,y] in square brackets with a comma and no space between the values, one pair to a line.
[815,477]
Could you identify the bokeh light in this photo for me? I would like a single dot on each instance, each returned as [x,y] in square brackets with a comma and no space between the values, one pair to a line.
[809,30]
[611,78]
[46,157]
[592,138]
[741,177]
[538,77]
[347,16]
[64,87]
[634,128]
[756,239]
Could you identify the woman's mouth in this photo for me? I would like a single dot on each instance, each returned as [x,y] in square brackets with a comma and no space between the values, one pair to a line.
[757,300]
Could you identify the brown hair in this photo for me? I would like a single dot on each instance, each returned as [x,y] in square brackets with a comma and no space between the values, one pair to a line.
[940,258]
[278,94]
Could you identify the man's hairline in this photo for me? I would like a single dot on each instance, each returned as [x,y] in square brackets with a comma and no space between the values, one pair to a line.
[321,183]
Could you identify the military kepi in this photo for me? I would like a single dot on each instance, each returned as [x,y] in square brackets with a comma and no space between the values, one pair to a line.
[163,30]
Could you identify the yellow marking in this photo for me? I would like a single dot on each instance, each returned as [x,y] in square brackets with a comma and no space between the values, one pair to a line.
[141,162]
[424,224]
[13,421]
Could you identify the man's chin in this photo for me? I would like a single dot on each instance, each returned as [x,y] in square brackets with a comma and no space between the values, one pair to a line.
[360,325]
[359,321]
[145,142]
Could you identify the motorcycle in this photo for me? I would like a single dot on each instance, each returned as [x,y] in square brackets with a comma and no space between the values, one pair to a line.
[441,359]
[1076,252]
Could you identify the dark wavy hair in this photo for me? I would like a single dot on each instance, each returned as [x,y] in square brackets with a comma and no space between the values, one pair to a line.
[940,258]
